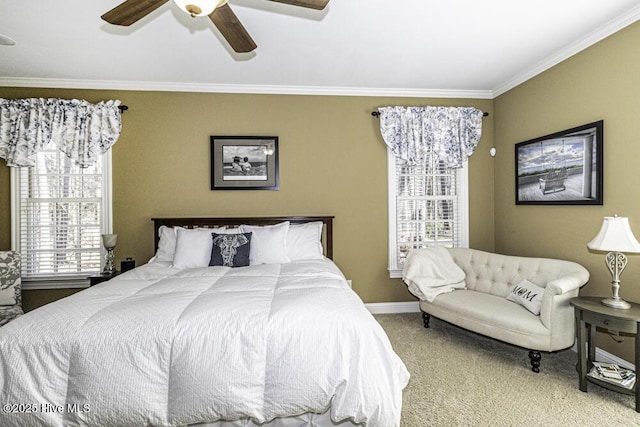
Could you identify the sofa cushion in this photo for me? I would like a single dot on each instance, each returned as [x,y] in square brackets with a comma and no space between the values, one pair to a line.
[491,316]
[527,295]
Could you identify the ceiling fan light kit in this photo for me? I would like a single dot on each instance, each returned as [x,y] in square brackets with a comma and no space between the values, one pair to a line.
[199,7]
[218,11]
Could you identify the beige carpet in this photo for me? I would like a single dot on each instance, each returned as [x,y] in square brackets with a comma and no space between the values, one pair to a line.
[463,379]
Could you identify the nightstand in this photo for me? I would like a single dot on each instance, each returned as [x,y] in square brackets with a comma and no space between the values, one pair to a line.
[101,277]
[592,314]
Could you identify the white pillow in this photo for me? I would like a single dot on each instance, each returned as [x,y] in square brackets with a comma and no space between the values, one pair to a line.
[193,247]
[304,241]
[268,243]
[527,295]
[166,245]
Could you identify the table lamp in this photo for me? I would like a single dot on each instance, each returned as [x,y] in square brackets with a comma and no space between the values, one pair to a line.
[109,241]
[615,237]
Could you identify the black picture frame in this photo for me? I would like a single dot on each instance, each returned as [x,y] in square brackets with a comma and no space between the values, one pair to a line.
[563,168]
[244,163]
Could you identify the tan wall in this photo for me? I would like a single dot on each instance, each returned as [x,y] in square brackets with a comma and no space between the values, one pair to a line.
[332,161]
[599,83]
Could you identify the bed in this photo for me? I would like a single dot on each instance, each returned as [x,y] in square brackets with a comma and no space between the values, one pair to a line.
[282,341]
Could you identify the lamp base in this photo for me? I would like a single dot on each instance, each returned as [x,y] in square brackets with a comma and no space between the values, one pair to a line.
[616,303]
[109,267]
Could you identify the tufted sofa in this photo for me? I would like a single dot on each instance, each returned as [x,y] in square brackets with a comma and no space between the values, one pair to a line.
[483,307]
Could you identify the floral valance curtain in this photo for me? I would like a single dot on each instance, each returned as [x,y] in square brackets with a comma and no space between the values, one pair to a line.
[411,133]
[81,130]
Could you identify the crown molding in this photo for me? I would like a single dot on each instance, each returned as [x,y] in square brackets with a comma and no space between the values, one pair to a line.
[599,34]
[243,89]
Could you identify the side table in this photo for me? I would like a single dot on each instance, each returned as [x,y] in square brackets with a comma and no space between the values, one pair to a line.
[591,314]
[101,277]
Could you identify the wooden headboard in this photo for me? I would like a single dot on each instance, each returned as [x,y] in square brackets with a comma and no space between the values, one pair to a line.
[327,232]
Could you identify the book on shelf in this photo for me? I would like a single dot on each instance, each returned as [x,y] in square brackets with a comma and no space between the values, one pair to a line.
[613,374]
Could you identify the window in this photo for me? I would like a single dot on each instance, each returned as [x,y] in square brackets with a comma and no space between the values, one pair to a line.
[59,211]
[428,205]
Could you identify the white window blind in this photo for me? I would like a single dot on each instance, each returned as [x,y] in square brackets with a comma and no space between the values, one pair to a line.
[427,206]
[59,212]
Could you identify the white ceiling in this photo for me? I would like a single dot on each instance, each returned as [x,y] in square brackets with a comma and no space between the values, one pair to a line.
[446,48]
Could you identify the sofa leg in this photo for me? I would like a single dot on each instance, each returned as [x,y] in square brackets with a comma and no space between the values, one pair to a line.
[535,357]
[425,319]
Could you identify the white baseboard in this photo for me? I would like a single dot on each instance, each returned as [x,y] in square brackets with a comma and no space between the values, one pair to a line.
[393,307]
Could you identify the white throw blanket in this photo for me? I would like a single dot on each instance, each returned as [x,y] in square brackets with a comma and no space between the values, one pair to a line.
[166,347]
[430,272]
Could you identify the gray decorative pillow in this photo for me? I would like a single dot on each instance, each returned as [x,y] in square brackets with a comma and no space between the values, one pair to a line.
[9,278]
[230,250]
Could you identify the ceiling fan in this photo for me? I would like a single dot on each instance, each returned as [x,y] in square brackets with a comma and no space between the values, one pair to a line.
[220,13]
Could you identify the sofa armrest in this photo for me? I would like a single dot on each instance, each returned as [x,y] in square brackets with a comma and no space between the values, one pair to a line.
[556,313]
[564,285]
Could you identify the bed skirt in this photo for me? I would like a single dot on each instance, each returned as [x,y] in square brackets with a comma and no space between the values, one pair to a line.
[305,420]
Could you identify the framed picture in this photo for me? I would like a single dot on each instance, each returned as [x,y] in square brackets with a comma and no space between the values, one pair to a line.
[564,168]
[244,163]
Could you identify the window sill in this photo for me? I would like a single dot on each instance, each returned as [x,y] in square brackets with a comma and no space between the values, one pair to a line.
[71,283]
[395,273]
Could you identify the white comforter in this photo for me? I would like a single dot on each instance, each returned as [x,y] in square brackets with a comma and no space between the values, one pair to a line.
[160,346]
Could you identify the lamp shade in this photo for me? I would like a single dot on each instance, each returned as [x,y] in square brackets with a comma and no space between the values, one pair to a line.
[615,236]
[202,7]
[109,240]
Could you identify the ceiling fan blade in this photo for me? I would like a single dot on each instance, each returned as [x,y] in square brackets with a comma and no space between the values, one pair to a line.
[130,11]
[232,29]
[311,4]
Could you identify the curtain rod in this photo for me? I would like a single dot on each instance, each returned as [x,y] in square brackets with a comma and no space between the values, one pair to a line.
[377,114]
[122,108]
